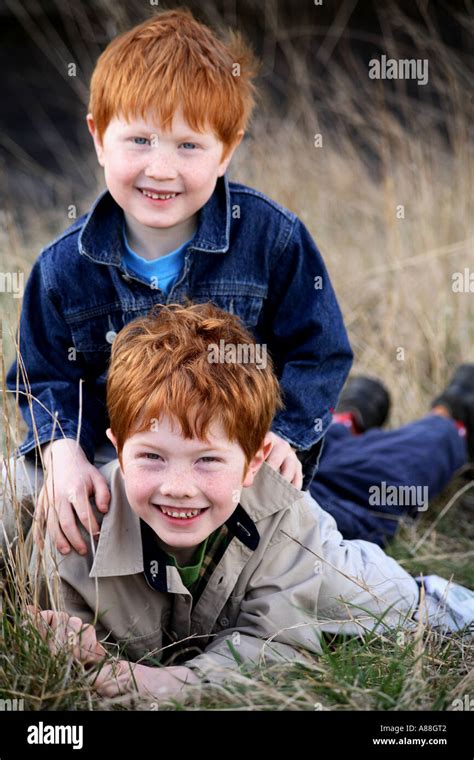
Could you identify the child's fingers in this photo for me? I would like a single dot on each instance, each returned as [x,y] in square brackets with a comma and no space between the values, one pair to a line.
[48,519]
[280,452]
[36,614]
[58,622]
[275,459]
[53,529]
[83,639]
[40,624]
[292,471]
[288,469]
[101,489]
[113,679]
[297,480]
[61,630]
[85,514]
[47,623]
[35,617]
[64,526]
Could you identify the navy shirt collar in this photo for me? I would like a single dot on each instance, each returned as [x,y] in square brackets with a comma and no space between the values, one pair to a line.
[101,236]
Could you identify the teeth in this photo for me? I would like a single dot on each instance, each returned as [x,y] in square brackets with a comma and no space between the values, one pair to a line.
[183,515]
[158,196]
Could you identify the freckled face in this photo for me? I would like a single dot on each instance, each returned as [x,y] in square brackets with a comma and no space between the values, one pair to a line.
[141,160]
[184,489]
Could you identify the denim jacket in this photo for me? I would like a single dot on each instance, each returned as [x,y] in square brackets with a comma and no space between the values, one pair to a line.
[249,256]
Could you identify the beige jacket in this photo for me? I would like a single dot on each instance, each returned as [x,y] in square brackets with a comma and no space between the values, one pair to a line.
[302,578]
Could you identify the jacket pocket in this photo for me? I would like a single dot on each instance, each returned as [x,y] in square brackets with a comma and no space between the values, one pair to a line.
[246,306]
[94,335]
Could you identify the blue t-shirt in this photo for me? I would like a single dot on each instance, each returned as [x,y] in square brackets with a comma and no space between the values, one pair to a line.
[161,273]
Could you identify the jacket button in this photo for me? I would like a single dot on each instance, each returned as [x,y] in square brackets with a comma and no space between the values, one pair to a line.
[224,621]
[110,336]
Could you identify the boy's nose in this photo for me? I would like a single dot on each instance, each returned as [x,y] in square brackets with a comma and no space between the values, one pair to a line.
[177,486]
[160,166]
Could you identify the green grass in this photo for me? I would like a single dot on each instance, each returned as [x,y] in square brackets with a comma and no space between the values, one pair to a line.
[397,670]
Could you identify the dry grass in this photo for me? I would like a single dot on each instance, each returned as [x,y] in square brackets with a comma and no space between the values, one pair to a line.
[381,149]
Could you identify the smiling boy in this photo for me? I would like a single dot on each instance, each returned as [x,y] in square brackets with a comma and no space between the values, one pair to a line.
[161,179]
[206,551]
[169,105]
[181,511]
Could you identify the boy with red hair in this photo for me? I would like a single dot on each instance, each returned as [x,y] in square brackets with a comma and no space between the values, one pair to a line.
[207,557]
[169,105]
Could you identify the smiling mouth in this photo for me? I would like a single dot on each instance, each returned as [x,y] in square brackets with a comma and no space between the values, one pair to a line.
[181,514]
[157,196]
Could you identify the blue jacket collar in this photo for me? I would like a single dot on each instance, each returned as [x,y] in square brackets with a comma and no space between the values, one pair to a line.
[101,235]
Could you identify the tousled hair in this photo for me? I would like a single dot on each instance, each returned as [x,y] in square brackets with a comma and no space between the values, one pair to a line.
[173,60]
[160,364]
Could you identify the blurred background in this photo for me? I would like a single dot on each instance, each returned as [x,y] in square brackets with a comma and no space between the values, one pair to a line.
[380,171]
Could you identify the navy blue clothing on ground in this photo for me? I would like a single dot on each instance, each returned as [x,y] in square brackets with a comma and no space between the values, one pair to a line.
[249,256]
[425,453]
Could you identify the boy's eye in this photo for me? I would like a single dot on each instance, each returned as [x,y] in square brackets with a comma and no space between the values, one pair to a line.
[188,145]
[140,140]
[209,459]
[150,455]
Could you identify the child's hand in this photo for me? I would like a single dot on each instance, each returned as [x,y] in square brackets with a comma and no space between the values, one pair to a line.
[69,482]
[283,459]
[123,677]
[61,630]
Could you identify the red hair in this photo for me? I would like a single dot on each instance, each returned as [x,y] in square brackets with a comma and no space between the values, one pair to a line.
[161,364]
[172,60]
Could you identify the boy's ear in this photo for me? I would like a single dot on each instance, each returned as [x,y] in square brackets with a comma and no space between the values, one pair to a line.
[228,156]
[256,462]
[99,148]
[111,438]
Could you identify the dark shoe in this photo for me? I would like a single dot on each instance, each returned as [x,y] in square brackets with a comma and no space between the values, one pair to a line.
[367,399]
[458,398]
